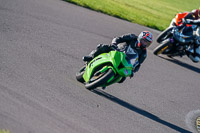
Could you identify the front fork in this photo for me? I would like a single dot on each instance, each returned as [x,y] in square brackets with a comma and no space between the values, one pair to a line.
[113,79]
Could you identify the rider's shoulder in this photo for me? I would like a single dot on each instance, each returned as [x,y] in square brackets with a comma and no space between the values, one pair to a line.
[130,35]
[133,35]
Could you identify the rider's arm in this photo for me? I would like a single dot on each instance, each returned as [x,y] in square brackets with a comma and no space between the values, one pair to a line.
[142,57]
[123,38]
[190,21]
[189,16]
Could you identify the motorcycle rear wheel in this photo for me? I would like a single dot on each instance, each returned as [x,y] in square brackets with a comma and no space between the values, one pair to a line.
[100,81]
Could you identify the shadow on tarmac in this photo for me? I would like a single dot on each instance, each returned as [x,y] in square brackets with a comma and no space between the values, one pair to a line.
[188,66]
[139,111]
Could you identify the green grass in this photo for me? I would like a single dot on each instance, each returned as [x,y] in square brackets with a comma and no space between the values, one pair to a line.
[155,14]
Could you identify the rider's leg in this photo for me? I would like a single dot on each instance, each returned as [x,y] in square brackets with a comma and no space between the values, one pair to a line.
[101,48]
[194,53]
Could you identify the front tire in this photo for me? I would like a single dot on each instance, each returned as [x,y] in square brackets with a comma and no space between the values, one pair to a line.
[100,81]
[79,74]
[162,47]
[162,35]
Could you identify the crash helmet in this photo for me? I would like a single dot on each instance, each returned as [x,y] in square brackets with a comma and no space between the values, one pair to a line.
[196,13]
[145,39]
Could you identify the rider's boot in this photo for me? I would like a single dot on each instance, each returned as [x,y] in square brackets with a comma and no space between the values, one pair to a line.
[194,55]
[101,48]
[87,58]
[189,51]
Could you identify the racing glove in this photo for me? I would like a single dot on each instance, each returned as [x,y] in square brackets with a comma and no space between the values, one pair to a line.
[113,46]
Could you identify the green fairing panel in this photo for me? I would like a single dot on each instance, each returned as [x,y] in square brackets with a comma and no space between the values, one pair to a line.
[114,57]
[124,69]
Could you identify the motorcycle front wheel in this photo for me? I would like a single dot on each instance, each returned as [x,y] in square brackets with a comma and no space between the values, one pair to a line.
[163,34]
[162,48]
[99,79]
[79,74]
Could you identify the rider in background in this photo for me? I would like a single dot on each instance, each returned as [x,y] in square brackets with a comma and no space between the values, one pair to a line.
[193,17]
[138,43]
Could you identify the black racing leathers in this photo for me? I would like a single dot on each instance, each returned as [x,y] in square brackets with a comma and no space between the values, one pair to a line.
[130,39]
[122,43]
[192,19]
[195,55]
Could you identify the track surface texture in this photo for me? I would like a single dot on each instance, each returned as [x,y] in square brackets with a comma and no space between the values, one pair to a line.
[41,46]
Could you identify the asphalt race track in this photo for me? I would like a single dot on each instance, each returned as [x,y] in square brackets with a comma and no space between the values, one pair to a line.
[41,46]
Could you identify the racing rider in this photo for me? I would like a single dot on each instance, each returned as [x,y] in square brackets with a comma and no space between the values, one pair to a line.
[138,43]
[193,17]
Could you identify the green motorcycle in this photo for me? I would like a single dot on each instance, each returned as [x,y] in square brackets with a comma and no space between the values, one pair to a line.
[108,68]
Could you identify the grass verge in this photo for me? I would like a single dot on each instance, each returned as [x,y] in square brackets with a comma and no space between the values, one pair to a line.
[155,14]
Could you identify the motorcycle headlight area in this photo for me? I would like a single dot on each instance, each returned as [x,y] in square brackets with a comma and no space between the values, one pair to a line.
[178,36]
[176,32]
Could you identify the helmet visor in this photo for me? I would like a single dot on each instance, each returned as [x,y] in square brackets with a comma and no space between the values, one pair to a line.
[145,43]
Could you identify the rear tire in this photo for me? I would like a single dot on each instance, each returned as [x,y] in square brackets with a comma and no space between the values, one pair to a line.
[100,81]
[162,47]
[163,34]
[79,75]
